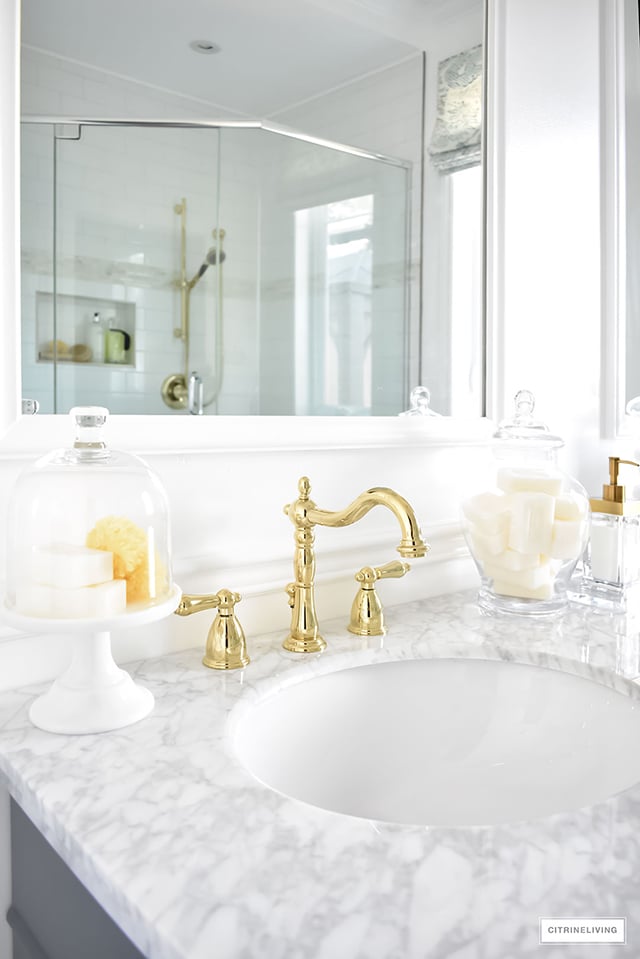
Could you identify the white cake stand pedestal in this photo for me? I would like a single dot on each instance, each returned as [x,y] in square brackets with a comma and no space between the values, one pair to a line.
[93,695]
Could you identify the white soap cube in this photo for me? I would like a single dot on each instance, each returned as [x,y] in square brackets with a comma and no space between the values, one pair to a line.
[526,579]
[530,529]
[509,559]
[68,566]
[525,480]
[567,539]
[511,589]
[85,602]
[487,545]
[569,507]
[488,512]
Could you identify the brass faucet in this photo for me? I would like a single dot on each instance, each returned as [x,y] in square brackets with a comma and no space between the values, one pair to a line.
[304,636]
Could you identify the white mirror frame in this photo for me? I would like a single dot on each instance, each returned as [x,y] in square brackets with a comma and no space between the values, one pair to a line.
[21,434]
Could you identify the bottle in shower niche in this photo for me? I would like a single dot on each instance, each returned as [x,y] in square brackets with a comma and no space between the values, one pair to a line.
[95,338]
[611,574]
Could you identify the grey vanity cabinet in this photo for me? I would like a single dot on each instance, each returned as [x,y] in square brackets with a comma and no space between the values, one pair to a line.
[52,915]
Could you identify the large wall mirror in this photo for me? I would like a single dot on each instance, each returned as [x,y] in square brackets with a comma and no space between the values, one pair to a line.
[239,208]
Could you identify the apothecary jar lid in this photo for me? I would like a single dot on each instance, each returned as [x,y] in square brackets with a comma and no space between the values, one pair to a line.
[523,429]
[88,531]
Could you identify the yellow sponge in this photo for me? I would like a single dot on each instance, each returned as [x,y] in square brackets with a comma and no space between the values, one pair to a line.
[145,575]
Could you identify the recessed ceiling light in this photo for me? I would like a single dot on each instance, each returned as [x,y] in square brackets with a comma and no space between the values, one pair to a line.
[204,46]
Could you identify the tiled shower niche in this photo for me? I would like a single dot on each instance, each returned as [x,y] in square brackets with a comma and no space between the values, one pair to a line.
[65,328]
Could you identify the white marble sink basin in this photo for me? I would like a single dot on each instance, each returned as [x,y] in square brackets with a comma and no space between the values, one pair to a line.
[448,742]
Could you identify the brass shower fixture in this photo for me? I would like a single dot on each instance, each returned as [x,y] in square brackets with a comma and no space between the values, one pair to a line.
[179,390]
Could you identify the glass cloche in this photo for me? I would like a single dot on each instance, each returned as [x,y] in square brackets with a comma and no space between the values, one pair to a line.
[527,528]
[88,532]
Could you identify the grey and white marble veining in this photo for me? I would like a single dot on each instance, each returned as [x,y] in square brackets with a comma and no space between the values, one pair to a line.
[194,858]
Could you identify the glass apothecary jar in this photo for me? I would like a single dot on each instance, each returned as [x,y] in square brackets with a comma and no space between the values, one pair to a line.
[529,526]
[88,532]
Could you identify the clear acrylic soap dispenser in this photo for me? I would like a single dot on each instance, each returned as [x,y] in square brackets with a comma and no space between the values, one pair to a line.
[527,528]
[611,565]
[88,551]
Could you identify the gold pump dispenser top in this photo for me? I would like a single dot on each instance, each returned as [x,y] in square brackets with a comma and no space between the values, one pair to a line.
[614,499]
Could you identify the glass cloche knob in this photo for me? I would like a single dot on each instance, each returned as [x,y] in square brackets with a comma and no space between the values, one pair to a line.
[89,441]
[419,403]
[525,404]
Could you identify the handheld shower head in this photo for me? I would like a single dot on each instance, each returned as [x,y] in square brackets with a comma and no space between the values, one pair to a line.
[211,259]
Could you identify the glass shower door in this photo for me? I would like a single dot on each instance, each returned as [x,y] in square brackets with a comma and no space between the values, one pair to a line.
[108,321]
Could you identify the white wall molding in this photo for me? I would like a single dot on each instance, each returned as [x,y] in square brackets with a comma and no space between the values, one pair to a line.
[546,279]
[613,219]
[494,173]
[30,436]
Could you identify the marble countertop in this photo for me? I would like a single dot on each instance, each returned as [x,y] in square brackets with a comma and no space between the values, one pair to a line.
[193,857]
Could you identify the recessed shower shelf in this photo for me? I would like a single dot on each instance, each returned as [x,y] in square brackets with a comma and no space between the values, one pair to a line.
[73,361]
[63,329]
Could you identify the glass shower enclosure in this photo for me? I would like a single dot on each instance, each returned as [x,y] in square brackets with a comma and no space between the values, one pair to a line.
[212,268]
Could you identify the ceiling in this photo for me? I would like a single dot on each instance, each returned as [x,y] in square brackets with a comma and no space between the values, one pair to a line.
[273,54]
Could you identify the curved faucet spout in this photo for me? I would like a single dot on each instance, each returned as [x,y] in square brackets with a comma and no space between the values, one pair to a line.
[411,544]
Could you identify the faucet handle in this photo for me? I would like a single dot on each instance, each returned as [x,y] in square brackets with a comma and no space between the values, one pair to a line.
[393,570]
[226,644]
[367,618]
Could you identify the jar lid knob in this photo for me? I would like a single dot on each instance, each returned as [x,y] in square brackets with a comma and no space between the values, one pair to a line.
[523,426]
[419,403]
[89,423]
[525,404]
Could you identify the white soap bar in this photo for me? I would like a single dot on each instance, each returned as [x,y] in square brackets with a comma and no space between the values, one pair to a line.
[570,507]
[509,559]
[529,481]
[68,566]
[531,524]
[489,512]
[526,579]
[487,545]
[86,602]
[566,539]
[510,589]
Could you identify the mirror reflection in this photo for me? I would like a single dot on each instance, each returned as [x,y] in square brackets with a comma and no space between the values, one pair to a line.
[322,260]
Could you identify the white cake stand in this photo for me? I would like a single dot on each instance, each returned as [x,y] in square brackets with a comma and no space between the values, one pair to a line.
[93,695]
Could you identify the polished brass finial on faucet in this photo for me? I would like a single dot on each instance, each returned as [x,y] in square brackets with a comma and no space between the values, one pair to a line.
[304,636]
[226,644]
